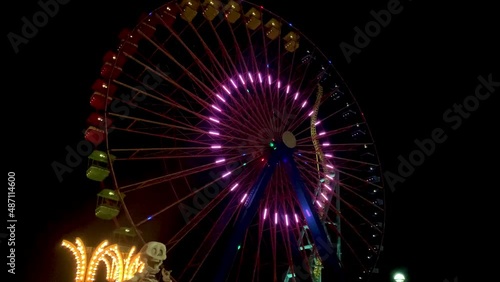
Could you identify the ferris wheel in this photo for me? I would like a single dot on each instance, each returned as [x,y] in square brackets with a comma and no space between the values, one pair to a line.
[222,131]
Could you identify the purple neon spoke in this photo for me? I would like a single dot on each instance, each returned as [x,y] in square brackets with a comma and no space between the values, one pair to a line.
[237,47]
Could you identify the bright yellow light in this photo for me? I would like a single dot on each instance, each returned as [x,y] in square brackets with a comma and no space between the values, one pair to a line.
[117,269]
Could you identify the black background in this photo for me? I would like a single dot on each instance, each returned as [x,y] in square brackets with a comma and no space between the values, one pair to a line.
[440,221]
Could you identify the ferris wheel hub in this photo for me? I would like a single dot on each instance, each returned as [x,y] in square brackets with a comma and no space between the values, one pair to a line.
[289,139]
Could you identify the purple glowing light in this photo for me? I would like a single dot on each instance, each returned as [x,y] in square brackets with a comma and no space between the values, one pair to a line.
[227,90]
[296,218]
[234,187]
[233,83]
[275,218]
[226,174]
[216,146]
[322,133]
[319,203]
[296,96]
[243,198]
[213,132]
[220,97]
[214,120]
[220,161]
[250,77]
[241,78]
[265,214]
[215,107]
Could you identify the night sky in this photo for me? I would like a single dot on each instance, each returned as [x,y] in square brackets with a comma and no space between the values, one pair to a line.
[407,79]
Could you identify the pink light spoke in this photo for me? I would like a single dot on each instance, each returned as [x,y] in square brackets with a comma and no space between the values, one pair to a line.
[243,198]
[319,203]
[214,120]
[233,83]
[217,108]
[234,187]
[220,97]
[227,90]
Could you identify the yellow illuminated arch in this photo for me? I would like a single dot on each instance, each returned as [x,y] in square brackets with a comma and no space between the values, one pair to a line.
[119,266]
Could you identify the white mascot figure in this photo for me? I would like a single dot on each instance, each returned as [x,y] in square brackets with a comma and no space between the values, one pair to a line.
[152,254]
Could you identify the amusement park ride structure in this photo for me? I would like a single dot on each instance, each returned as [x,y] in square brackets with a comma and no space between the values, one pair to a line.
[205,95]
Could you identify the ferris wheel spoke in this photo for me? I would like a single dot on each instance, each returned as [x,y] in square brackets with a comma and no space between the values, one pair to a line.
[205,70]
[190,94]
[204,145]
[256,263]
[359,179]
[348,244]
[361,216]
[176,238]
[190,128]
[352,190]
[257,116]
[200,216]
[162,124]
[210,239]
[347,204]
[254,65]
[161,179]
